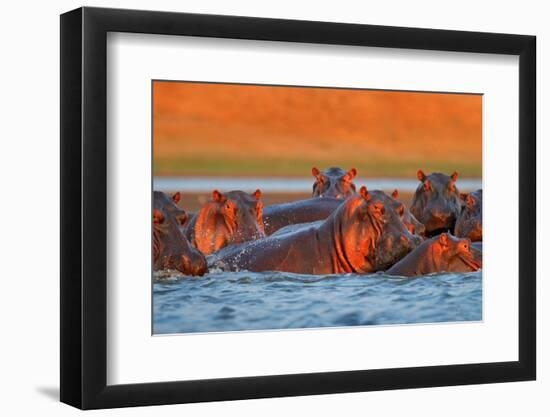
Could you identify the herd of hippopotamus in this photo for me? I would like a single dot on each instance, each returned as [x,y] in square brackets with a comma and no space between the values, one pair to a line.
[338,230]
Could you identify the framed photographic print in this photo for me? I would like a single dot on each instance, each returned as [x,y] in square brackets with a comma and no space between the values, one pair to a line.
[259,207]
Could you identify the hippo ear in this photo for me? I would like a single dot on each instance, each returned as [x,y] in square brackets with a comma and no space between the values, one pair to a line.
[257,194]
[217,196]
[395,193]
[352,173]
[176,197]
[470,200]
[401,210]
[364,193]
[427,185]
[420,175]
[315,172]
[454,176]
[443,239]
[158,217]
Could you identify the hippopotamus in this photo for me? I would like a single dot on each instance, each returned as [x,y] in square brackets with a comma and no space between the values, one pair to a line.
[443,253]
[291,228]
[410,222]
[171,250]
[333,182]
[226,219]
[278,216]
[362,235]
[436,202]
[170,205]
[469,222]
[414,226]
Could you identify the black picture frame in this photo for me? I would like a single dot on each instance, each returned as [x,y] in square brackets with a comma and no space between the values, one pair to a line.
[84,207]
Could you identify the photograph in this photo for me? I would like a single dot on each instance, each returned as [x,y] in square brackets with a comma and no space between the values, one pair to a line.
[279,207]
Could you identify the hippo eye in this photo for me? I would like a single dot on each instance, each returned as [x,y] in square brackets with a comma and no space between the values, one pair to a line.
[380,208]
[465,246]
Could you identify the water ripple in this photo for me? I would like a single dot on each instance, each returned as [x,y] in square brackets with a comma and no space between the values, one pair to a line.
[277,300]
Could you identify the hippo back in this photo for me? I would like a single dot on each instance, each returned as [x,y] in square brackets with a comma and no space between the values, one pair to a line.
[301,211]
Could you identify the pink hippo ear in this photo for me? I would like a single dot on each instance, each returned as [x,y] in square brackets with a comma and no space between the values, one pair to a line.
[420,175]
[454,176]
[401,210]
[257,194]
[158,217]
[364,193]
[395,193]
[315,172]
[427,185]
[176,197]
[217,196]
[352,173]
[443,239]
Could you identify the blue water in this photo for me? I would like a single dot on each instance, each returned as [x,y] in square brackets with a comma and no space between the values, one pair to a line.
[221,302]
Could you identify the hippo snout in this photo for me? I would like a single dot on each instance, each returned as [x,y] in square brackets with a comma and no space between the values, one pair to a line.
[195,265]
[438,220]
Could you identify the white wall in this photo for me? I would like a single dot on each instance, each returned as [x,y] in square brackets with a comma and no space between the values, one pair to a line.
[29,105]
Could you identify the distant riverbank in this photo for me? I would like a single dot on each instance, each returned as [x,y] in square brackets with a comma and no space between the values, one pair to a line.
[196,191]
[287,185]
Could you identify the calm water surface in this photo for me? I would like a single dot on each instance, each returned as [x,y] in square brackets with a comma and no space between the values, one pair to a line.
[220,302]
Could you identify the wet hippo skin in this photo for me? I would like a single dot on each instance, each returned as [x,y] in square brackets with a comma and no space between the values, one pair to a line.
[277,216]
[410,222]
[414,226]
[362,235]
[437,254]
[436,202]
[228,218]
[171,250]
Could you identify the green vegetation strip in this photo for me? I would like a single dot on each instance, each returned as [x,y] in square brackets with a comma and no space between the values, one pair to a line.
[302,167]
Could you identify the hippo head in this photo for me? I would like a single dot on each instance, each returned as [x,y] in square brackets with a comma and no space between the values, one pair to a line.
[171,250]
[436,202]
[408,219]
[334,182]
[469,222]
[372,235]
[451,253]
[233,217]
[169,205]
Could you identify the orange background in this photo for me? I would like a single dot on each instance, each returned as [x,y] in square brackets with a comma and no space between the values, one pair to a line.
[383,132]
